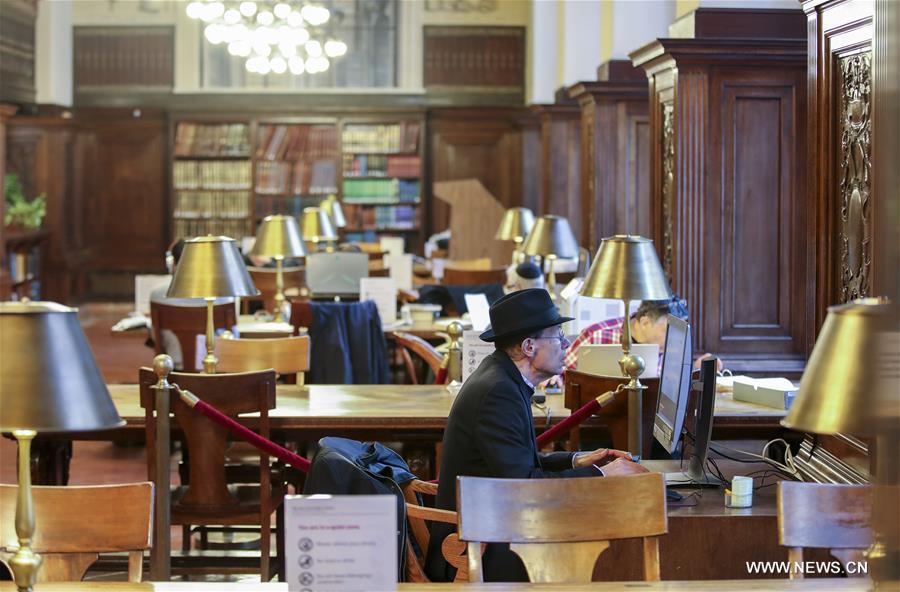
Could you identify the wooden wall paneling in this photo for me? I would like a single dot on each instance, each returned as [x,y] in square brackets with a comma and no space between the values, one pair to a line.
[728,119]
[474,144]
[529,125]
[561,163]
[41,150]
[6,111]
[615,154]
[840,140]
[126,194]
[17,43]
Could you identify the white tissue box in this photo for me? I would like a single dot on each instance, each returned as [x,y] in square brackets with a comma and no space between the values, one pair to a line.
[771,392]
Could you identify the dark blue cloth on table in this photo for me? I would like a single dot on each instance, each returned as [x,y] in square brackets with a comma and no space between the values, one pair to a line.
[347,344]
[456,295]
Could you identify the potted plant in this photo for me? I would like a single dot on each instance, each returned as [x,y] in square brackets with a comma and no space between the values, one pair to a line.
[22,212]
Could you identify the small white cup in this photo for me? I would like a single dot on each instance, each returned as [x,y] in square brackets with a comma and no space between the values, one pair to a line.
[741,493]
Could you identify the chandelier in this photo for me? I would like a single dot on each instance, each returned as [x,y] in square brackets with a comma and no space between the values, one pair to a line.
[274,36]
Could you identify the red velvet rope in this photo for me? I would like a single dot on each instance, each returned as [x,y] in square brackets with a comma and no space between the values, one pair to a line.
[441,376]
[568,423]
[279,452]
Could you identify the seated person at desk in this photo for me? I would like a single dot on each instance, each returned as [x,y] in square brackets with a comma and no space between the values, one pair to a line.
[490,429]
[522,276]
[170,343]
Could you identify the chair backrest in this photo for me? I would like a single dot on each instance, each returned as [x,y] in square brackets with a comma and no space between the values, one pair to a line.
[287,355]
[421,348]
[473,277]
[186,322]
[552,512]
[77,523]
[264,278]
[232,394]
[419,515]
[824,515]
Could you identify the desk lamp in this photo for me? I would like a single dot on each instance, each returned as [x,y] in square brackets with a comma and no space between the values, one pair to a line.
[551,238]
[317,228]
[515,226]
[851,385]
[627,268]
[332,206]
[279,237]
[211,267]
[49,382]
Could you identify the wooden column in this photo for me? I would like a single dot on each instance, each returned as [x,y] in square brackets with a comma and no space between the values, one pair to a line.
[6,111]
[532,170]
[560,163]
[731,214]
[615,153]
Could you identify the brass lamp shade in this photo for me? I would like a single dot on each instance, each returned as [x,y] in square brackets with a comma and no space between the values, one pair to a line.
[316,226]
[551,236]
[335,212]
[49,381]
[846,386]
[626,268]
[279,236]
[211,267]
[516,224]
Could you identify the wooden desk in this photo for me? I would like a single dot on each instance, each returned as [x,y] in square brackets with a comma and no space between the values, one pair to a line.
[805,585]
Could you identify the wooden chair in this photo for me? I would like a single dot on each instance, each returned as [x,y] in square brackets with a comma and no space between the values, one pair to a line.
[824,515]
[473,277]
[264,278]
[186,322]
[288,355]
[410,344]
[552,512]
[419,516]
[76,524]
[208,499]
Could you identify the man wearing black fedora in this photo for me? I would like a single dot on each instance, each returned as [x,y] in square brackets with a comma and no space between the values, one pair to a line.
[490,429]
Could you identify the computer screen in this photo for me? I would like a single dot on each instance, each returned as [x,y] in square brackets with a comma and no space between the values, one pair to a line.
[706,406]
[336,274]
[674,384]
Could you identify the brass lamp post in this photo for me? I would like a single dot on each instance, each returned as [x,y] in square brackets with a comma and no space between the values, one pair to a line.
[316,227]
[211,267]
[851,385]
[515,226]
[49,382]
[627,268]
[551,238]
[279,237]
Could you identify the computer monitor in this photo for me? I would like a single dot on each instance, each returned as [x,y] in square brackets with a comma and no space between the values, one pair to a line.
[674,384]
[335,274]
[695,475]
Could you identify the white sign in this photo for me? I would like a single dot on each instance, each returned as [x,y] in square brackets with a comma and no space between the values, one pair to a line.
[341,542]
[383,291]
[393,245]
[479,311]
[474,350]
[144,285]
[401,268]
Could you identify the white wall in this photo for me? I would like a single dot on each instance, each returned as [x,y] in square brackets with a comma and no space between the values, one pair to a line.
[543,49]
[53,53]
[637,23]
[581,41]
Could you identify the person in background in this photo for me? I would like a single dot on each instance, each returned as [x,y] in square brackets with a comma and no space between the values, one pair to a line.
[170,344]
[522,276]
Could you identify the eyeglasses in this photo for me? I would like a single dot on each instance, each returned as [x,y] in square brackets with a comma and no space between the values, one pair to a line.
[560,336]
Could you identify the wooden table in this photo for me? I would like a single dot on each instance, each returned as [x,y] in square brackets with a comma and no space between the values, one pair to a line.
[805,585]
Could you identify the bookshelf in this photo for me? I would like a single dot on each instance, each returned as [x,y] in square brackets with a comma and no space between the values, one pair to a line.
[296,167]
[212,179]
[381,183]
[23,251]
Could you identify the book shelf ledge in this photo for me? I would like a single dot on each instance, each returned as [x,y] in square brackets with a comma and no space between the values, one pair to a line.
[212,157]
[379,201]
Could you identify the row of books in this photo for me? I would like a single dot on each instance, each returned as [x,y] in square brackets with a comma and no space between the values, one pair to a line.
[381,165]
[296,142]
[206,139]
[373,138]
[381,190]
[23,265]
[236,229]
[299,178]
[211,174]
[212,204]
[291,206]
[382,217]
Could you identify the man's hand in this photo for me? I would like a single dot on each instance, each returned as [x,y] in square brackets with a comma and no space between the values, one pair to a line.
[599,457]
[553,382]
[623,466]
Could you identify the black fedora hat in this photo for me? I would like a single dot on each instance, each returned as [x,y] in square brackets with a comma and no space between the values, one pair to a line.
[522,312]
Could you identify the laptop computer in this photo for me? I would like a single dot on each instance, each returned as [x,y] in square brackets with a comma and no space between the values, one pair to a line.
[603,359]
[335,274]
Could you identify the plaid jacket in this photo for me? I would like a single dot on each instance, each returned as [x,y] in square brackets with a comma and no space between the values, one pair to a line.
[604,332]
